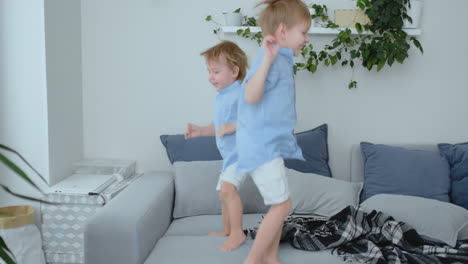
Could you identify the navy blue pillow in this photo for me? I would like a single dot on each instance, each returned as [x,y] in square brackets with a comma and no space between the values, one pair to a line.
[396,170]
[457,157]
[193,149]
[312,142]
[315,151]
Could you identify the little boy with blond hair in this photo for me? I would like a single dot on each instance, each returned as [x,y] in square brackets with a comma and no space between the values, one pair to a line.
[267,118]
[227,66]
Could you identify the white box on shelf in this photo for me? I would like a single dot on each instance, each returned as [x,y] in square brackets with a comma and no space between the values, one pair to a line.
[126,168]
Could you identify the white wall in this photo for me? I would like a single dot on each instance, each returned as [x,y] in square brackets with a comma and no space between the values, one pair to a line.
[40,91]
[143,77]
[23,91]
[64,91]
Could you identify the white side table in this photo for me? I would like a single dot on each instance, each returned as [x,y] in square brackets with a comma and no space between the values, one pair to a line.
[63,223]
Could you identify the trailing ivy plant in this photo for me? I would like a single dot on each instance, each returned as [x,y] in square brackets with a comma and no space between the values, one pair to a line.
[384,41]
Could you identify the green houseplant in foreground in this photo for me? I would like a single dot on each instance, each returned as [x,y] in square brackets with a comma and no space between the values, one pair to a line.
[383,43]
[5,253]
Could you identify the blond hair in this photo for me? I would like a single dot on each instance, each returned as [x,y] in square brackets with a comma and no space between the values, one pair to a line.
[287,12]
[234,55]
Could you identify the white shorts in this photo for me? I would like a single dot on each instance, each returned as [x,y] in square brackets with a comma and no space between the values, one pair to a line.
[270,179]
[230,175]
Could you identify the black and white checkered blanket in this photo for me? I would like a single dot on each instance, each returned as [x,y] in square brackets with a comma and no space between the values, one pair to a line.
[361,237]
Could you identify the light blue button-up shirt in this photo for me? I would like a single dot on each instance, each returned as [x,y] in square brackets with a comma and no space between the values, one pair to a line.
[265,130]
[225,111]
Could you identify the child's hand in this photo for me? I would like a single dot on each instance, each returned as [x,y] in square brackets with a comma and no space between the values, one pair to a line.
[271,47]
[224,129]
[192,131]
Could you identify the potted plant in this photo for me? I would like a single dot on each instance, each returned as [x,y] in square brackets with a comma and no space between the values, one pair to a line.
[385,44]
[5,253]
[233,18]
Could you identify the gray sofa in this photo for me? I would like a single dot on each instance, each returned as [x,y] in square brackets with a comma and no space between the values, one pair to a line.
[138,227]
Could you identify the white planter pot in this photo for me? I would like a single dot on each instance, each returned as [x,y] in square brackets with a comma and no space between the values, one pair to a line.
[316,22]
[233,19]
[415,13]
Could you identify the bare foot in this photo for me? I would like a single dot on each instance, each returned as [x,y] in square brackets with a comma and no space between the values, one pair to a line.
[222,233]
[272,262]
[233,241]
[248,261]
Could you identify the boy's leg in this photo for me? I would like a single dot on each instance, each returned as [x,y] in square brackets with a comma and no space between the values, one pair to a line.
[271,253]
[233,209]
[224,211]
[266,241]
[226,224]
[272,183]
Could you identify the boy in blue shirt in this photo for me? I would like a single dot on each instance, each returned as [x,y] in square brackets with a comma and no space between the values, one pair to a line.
[267,117]
[227,65]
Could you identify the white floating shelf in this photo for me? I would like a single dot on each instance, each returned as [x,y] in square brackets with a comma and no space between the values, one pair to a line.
[319,30]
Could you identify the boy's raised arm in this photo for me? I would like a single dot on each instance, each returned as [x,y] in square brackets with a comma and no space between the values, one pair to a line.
[254,86]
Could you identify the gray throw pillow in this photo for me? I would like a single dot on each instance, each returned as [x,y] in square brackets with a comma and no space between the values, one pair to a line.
[318,195]
[435,219]
[195,193]
[195,190]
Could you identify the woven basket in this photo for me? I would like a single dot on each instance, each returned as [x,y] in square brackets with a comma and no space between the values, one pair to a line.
[16,216]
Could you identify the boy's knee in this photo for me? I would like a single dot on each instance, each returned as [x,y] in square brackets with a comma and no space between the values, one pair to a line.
[227,191]
[285,206]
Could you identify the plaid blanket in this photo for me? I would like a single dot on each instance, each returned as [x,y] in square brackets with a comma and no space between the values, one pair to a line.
[374,237]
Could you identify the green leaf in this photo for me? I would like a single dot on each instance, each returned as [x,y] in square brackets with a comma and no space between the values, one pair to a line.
[17,170]
[418,45]
[361,5]
[312,68]
[5,253]
[239,32]
[352,84]
[358,28]
[237,10]
[338,55]
[380,65]
[6,189]
[5,257]
[208,18]
[246,32]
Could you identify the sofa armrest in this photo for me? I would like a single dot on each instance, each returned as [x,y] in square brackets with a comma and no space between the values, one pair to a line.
[128,227]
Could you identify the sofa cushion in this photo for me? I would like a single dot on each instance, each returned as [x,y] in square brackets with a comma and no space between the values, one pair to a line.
[457,156]
[314,194]
[201,225]
[180,149]
[396,170]
[195,192]
[204,249]
[439,220]
[312,142]
[314,146]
